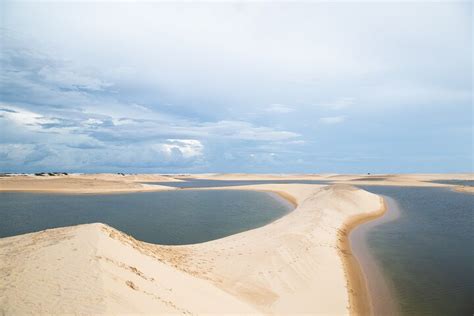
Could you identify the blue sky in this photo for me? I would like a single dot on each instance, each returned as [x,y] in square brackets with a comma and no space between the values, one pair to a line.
[343,87]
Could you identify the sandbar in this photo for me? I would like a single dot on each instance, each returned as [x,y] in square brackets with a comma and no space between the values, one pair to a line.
[300,263]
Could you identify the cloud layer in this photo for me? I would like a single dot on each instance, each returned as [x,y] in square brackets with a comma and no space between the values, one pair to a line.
[248,87]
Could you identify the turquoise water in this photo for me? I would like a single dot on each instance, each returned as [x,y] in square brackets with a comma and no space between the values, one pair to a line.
[169,217]
[427,253]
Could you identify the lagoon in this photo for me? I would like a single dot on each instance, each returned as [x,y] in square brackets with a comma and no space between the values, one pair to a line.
[169,217]
[207,183]
[425,252]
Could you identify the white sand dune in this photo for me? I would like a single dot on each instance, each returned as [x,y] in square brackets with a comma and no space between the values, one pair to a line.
[415,180]
[101,183]
[90,269]
[110,183]
[293,265]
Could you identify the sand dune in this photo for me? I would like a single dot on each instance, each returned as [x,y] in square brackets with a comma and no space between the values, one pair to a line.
[415,180]
[103,183]
[78,184]
[299,263]
[128,177]
[407,180]
[292,265]
[94,269]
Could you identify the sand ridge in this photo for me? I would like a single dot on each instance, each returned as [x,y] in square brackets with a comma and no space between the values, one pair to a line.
[415,180]
[292,265]
[300,263]
[89,269]
[82,184]
[109,183]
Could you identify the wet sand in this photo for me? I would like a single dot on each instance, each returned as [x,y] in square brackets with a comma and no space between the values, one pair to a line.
[380,296]
[359,293]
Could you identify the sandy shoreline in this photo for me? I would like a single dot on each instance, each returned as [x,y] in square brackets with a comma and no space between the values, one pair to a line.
[382,300]
[302,262]
[359,293]
[275,269]
[104,183]
[464,189]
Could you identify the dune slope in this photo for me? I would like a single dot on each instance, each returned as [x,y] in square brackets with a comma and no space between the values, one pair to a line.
[93,268]
[291,265]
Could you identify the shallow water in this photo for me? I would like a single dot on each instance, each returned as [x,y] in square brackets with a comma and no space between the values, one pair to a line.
[381,295]
[426,253]
[169,217]
[455,182]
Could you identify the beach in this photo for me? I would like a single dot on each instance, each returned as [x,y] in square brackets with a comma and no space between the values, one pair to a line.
[300,263]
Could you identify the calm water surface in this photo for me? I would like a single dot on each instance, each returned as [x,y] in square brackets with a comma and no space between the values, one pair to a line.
[427,253]
[169,217]
[205,183]
[455,182]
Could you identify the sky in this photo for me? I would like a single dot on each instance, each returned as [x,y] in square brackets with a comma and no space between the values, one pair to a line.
[258,87]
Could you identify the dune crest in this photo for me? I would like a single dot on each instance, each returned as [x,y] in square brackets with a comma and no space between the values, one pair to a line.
[90,269]
[288,266]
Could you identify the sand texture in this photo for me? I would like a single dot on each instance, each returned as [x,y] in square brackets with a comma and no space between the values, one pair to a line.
[301,263]
[293,265]
[102,183]
[416,180]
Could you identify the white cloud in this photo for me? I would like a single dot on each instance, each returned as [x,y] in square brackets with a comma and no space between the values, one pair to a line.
[93,122]
[188,148]
[240,130]
[137,127]
[24,117]
[163,102]
[339,103]
[279,108]
[332,120]
[296,142]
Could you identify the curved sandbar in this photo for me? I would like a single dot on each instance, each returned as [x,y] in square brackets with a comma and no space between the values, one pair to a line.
[289,266]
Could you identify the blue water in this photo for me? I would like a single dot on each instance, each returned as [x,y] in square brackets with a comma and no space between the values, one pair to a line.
[427,254]
[455,182]
[205,183]
[169,217]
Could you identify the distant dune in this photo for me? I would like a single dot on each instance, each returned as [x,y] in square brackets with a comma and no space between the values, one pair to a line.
[83,183]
